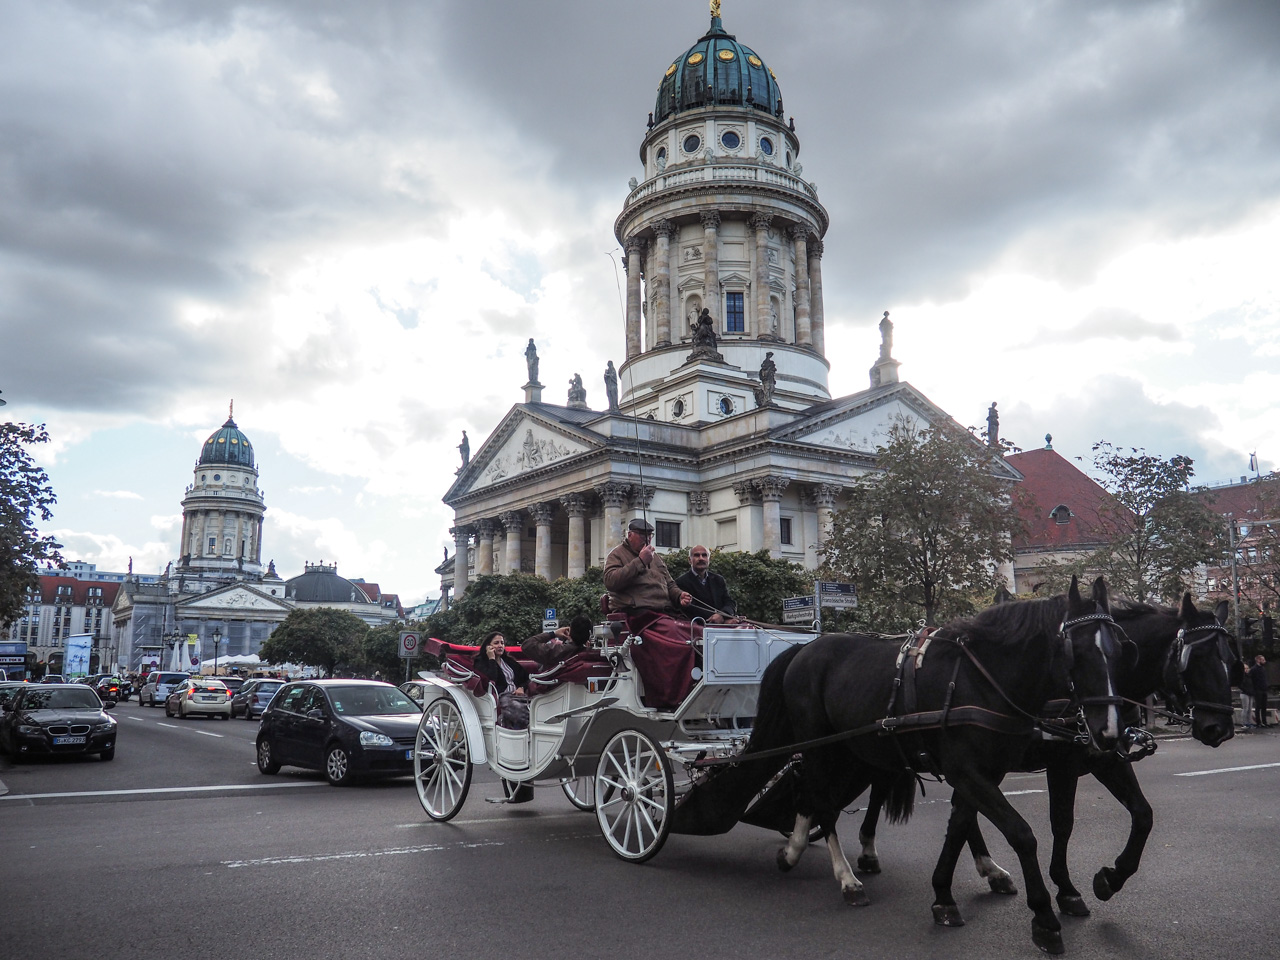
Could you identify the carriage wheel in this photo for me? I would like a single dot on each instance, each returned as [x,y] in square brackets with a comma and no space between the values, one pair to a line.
[581,792]
[635,795]
[441,760]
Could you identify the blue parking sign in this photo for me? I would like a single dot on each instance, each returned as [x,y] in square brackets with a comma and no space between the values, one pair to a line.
[549,614]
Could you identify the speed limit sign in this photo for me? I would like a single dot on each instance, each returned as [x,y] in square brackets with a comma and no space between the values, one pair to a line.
[408,643]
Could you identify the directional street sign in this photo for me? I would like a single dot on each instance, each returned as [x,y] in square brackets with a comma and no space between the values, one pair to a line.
[838,596]
[408,643]
[798,610]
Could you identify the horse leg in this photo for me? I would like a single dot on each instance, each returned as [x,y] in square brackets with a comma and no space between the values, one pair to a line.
[997,877]
[985,797]
[1062,818]
[789,853]
[1118,777]
[868,859]
[959,826]
[850,886]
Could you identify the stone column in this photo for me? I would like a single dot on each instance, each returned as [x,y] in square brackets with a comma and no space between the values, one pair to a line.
[635,247]
[749,538]
[461,534]
[542,513]
[800,237]
[771,488]
[576,506]
[824,495]
[484,548]
[661,281]
[613,495]
[816,323]
[512,522]
[711,262]
[761,221]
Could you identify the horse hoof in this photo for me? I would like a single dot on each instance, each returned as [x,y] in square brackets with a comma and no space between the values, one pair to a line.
[1003,885]
[783,863]
[869,864]
[1072,905]
[1102,888]
[947,915]
[1050,941]
[856,897]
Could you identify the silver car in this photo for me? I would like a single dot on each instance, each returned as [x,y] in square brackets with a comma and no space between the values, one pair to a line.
[158,687]
[251,699]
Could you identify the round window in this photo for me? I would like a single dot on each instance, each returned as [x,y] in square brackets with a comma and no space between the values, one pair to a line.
[691,143]
[217,477]
[730,140]
[204,477]
[726,406]
[677,408]
[766,146]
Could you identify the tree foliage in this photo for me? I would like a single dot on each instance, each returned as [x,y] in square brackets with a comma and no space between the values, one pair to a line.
[321,637]
[924,536]
[26,496]
[1157,531]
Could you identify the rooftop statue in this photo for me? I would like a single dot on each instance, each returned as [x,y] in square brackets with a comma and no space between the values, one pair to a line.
[611,385]
[531,359]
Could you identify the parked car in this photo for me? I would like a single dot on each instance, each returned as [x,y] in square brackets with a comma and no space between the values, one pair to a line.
[53,678]
[347,728]
[252,699]
[52,720]
[158,686]
[8,688]
[199,695]
[108,688]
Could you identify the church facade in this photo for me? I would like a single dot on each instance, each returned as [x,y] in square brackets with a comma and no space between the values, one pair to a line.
[720,427]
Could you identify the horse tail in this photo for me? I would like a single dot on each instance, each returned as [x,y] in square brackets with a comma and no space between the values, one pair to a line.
[901,799]
[772,727]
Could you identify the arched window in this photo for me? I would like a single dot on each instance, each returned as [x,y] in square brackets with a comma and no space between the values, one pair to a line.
[1061,513]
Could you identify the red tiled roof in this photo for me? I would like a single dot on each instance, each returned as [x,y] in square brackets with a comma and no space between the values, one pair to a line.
[1052,481]
[370,590]
[1244,500]
[79,590]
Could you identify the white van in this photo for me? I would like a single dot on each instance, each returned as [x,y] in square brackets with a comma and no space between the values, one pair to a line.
[158,687]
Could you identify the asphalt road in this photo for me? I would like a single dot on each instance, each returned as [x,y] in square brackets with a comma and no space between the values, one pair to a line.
[180,848]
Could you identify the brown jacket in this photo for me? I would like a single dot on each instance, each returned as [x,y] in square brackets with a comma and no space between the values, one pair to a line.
[548,649]
[633,585]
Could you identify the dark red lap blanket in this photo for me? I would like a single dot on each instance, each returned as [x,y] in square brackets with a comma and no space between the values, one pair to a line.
[665,660]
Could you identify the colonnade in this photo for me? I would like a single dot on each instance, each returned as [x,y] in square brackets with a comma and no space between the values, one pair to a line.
[651,262]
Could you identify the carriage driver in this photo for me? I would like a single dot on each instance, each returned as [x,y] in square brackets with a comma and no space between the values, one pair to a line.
[636,577]
[710,593]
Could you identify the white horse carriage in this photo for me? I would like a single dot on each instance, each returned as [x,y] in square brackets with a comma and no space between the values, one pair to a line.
[590,731]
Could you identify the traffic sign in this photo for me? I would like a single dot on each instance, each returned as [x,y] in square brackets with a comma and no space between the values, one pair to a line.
[195,661]
[549,625]
[549,613]
[797,603]
[798,610]
[408,644]
[838,596]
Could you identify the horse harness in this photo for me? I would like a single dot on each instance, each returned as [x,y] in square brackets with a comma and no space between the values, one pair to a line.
[1179,657]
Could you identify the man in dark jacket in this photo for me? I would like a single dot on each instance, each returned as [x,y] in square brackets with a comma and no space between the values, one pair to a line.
[1258,677]
[558,645]
[710,593]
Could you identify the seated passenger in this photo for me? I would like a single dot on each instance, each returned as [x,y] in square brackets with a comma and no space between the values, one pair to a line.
[710,593]
[636,577]
[554,647]
[510,680]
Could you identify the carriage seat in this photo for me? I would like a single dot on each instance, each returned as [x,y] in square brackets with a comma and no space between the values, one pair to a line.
[580,668]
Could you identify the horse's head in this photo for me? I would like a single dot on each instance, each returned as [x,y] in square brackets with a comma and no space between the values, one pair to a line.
[1095,650]
[1202,665]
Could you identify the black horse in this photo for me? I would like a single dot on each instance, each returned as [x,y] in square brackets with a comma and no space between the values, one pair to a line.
[962,708]
[1185,654]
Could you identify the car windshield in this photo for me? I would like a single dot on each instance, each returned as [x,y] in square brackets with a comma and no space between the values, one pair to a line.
[369,701]
[67,698]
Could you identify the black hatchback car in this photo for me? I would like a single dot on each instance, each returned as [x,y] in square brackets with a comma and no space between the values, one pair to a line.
[50,720]
[347,728]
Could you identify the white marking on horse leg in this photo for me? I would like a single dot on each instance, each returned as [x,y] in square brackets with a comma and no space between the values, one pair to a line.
[798,840]
[989,869]
[850,885]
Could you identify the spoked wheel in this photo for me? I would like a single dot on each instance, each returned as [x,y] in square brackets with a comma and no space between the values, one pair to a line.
[635,795]
[441,760]
[581,792]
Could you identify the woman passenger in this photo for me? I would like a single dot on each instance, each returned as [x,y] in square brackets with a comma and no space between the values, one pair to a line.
[509,679]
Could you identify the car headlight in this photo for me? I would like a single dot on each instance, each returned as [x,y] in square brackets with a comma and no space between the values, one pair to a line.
[370,739]
[28,728]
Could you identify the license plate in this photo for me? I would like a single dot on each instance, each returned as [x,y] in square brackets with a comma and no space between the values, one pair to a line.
[65,741]
[408,754]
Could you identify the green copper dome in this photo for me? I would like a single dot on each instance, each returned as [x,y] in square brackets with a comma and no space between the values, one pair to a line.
[228,445]
[717,70]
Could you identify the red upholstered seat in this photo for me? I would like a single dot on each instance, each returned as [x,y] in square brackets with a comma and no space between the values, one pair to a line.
[665,660]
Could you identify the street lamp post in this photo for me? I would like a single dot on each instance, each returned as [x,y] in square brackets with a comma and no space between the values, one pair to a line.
[217,639]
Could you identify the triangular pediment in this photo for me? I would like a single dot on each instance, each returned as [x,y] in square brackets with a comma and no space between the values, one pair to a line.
[523,444]
[236,596]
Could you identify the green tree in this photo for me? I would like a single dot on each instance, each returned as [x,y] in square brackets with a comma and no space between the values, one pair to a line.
[513,604]
[925,534]
[25,497]
[321,637]
[1157,530]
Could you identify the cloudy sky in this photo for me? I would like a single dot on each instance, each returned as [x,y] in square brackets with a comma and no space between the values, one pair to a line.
[349,217]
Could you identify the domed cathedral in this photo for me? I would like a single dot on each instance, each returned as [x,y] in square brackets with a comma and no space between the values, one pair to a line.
[222,513]
[718,426]
[722,222]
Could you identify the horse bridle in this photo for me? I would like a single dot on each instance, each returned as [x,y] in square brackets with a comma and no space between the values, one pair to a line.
[1064,631]
[1179,657]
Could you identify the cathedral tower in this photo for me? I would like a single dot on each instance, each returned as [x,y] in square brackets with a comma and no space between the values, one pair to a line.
[721,221]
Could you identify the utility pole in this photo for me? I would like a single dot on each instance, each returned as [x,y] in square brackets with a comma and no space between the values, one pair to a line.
[1235,579]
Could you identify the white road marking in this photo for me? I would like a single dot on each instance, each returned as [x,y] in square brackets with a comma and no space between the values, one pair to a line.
[171,726]
[1205,773]
[206,733]
[1019,793]
[468,823]
[139,719]
[397,851]
[145,790]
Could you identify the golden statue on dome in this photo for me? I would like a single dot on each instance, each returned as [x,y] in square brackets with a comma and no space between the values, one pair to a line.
[715,8]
